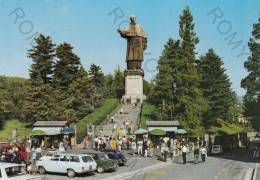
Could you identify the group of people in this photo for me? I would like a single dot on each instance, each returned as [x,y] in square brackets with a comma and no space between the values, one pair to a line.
[141,146]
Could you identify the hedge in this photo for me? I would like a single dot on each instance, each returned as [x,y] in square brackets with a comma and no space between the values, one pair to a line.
[95,118]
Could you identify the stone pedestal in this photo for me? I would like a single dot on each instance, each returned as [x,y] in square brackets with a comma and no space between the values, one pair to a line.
[134,86]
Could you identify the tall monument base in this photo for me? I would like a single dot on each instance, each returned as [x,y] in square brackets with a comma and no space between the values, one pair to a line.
[134,86]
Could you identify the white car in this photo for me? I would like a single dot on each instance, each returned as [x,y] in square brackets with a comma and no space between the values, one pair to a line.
[49,155]
[15,172]
[216,149]
[68,163]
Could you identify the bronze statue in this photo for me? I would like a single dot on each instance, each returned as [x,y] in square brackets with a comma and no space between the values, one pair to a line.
[136,44]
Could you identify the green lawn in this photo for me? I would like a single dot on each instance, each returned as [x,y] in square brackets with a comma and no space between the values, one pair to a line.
[6,133]
[149,113]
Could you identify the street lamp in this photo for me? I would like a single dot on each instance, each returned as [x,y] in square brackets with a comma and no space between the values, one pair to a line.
[171,108]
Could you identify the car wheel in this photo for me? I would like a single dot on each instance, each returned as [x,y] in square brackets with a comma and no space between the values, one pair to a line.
[71,173]
[100,169]
[42,170]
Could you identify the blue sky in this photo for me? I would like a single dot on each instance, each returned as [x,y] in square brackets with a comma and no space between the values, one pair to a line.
[90,27]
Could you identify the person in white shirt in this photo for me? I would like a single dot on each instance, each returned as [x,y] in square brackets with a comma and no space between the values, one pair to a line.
[140,146]
[184,151]
[203,153]
[61,148]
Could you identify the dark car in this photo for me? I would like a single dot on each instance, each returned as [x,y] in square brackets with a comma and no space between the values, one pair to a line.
[116,155]
[103,162]
[18,159]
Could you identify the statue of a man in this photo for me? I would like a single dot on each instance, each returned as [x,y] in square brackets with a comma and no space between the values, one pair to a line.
[136,44]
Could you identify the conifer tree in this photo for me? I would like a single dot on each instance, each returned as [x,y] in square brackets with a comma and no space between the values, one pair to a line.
[108,90]
[252,81]
[118,83]
[97,76]
[190,103]
[216,88]
[66,68]
[42,55]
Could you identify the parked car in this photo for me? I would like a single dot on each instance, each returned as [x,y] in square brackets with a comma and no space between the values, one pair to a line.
[49,155]
[217,149]
[8,148]
[15,172]
[67,163]
[116,155]
[9,158]
[103,162]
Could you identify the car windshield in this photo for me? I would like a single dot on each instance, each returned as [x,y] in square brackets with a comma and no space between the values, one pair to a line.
[15,171]
[87,159]
[104,156]
[216,147]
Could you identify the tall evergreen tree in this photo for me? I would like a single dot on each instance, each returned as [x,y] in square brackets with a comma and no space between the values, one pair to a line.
[42,55]
[252,81]
[97,83]
[108,90]
[42,102]
[78,101]
[190,103]
[97,76]
[66,68]
[165,85]
[216,88]
[118,83]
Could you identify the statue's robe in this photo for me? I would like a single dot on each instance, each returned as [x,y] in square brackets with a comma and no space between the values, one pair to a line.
[136,44]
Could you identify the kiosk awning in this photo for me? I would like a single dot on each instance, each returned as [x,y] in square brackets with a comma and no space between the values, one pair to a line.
[167,129]
[49,130]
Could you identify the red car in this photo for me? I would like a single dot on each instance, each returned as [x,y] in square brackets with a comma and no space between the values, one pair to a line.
[21,150]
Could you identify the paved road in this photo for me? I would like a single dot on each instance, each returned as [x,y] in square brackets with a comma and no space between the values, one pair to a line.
[225,167]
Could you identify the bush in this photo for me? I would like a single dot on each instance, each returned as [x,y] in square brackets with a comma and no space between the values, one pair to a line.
[149,113]
[95,118]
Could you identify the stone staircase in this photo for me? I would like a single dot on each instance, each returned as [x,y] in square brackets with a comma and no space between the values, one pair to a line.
[133,116]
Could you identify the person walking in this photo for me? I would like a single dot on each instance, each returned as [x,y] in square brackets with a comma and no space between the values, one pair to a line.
[127,143]
[33,154]
[114,126]
[38,153]
[84,142]
[162,151]
[166,152]
[114,143]
[126,125]
[184,151]
[96,143]
[196,155]
[65,143]
[151,146]
[131,124]
[133,144]
[145,149]
[203,153]
[72,142]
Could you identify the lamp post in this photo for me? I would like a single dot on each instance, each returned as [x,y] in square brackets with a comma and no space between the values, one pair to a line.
[171,108]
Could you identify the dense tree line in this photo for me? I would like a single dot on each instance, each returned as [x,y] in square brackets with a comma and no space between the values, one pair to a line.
[195,91]
[59,87]
[252,81]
